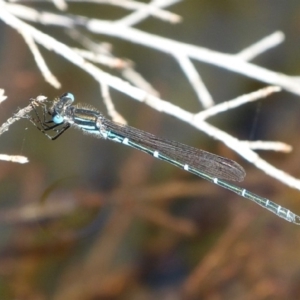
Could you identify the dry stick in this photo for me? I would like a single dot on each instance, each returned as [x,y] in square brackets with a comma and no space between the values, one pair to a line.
[21,114]
[49,77]
[143,13]
[230,62]
[156,12]
[161,105]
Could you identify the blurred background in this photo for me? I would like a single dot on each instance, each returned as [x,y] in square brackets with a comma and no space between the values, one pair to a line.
[91,219]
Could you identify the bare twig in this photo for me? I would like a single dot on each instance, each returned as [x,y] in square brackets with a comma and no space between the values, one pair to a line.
[195,80]
[49,77]
[268,145]
[2,96]
[231,62]
[100,53]
[261,46]
[21,114]
[130,5]
[110,106]
[241,100]
[60,4]
[144,12]
[14,158]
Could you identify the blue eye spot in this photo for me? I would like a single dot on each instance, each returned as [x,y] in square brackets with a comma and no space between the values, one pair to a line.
[70,96]
[57,119]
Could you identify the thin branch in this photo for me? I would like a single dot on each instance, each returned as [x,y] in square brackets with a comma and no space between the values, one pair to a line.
[102,51]
[126,4]
[151,100]
[116,116]
[261,46]
[21,114]
[49,77]
[227,61]
[195,80]
[14,158]
[241,100]
[141,14]
[60,4]
[105,60]
[159,104]
[2,96]
[268,145]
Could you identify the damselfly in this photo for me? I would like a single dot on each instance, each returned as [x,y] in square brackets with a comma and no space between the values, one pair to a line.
[211,167]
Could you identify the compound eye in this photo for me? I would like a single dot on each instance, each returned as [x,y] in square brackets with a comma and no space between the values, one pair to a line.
[57,119]
[69,96]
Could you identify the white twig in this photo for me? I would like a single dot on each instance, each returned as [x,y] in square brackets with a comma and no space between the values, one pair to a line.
[103,48]
[101,53]
[49,77]
[14,158]
[225,106]
[126,4]
[22,113]
[195,80]
[227,61]
[139,81]
[109,61]
[110,106]
[34,15]
[2,96]
[268,145]
[60,4]
[135,5]
[144,12]
[230,62]
[261,46]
